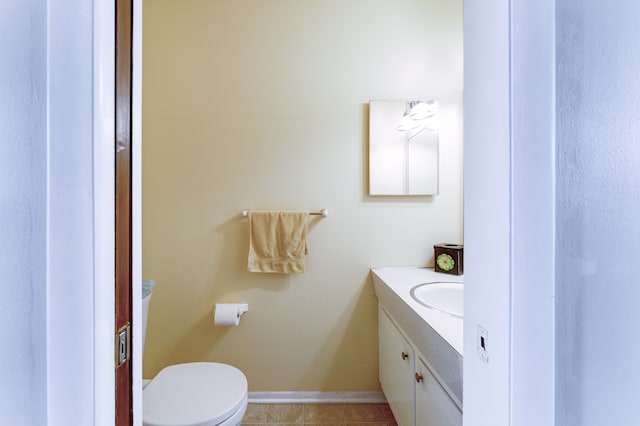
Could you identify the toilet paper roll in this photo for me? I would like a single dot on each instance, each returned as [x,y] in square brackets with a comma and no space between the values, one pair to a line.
[228,314]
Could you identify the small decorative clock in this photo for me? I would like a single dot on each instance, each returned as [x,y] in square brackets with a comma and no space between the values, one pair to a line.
[449,258]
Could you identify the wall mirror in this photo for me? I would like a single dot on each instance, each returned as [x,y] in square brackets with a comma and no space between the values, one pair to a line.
[403,147]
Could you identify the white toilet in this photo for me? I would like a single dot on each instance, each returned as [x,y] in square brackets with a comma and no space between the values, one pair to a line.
[192,394]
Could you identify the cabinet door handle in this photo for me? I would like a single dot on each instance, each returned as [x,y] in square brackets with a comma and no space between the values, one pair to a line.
[418,377]
[405,355]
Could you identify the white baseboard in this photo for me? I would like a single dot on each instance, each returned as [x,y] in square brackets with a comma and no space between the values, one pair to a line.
[351,397]
[291,397]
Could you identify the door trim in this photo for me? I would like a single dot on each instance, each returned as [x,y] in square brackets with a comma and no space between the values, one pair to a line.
[136,208]
[104,207]
[92,21]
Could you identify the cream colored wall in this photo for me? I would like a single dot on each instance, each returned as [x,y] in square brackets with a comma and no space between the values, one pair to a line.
[263,104]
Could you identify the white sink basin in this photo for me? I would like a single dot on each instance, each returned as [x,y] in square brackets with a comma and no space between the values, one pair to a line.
[445,297]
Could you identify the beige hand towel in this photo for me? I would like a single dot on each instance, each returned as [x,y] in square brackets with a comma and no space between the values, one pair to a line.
[277,241]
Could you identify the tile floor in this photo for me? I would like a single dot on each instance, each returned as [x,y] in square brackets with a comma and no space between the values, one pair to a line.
[319,415]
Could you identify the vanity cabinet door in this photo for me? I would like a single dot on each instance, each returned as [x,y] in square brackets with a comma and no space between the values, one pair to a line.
[434,407]
[396,370]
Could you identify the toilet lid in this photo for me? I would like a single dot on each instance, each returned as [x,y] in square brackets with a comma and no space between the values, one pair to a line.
[193,394]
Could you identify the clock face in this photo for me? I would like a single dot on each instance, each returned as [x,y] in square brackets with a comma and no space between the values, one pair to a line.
[445,262]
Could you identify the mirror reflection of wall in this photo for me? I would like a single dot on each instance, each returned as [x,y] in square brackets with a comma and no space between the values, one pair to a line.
[403,147]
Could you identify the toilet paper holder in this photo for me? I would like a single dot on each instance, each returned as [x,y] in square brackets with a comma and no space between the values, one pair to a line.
[244,307]
[228,314]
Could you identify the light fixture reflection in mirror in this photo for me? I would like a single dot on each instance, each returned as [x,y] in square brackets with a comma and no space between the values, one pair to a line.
[403,147]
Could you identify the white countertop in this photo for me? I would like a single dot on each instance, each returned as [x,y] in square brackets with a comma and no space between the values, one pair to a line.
[402,280]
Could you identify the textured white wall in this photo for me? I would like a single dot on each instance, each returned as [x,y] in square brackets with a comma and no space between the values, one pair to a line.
[23,213]
[598,203]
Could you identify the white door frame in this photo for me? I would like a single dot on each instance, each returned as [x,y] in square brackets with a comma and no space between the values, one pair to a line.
[136,208]
[80,287]
[104,101]
[509,176]
[80,212]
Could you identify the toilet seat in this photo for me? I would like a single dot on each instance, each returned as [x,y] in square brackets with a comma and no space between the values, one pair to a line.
[194,394]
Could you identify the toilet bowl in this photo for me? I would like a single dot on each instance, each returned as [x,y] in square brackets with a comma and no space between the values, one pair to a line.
[195,393]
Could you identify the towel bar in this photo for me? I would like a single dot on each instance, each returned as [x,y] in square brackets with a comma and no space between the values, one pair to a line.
[322,212]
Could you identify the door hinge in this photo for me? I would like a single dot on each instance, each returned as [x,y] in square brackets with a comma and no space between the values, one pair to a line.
[123,345]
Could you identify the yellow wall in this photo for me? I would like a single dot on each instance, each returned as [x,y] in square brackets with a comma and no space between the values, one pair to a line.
[263,104]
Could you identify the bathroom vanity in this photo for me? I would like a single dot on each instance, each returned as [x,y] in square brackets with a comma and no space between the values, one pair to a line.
[420,349]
